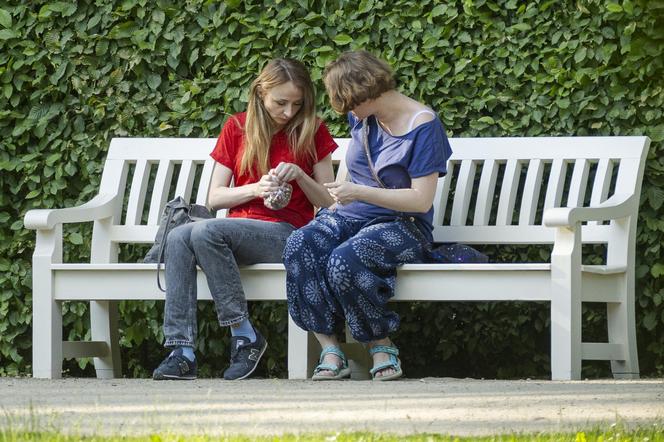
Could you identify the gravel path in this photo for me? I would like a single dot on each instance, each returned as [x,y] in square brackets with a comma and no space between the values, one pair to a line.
[274,406]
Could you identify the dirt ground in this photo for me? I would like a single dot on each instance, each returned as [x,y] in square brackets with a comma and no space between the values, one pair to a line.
[275,406]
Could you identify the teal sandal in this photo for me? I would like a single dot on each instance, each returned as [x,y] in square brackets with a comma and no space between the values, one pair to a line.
[340,372]
[394,363]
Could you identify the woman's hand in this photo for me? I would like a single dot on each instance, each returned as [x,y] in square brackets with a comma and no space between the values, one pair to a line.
[344,192]
[286,172]
[266,185]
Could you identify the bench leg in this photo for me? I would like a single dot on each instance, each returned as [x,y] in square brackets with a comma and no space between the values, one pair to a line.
[303,352]
[46,312]
[566,305]
[622,330]
[46,336]
[104,327]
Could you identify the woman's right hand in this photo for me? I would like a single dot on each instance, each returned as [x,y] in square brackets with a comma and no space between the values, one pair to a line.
[267,184]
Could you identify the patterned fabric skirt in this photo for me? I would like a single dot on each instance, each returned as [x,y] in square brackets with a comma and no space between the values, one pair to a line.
[341,269]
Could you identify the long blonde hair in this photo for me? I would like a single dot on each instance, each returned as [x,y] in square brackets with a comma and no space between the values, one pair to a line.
[259,127]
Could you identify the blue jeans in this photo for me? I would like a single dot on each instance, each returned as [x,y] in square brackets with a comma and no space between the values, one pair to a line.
[218,246]
[342,269]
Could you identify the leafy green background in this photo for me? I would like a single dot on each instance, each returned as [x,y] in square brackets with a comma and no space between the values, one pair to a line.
[75,74]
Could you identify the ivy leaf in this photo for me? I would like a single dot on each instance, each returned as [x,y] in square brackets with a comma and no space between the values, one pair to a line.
[7,34]
[33,194]
[614,7]
[438,10]
[580,54]
[76,238]
[5,18]
[650,321]
[655,197]
[154,81]
[657,270]
[342,39]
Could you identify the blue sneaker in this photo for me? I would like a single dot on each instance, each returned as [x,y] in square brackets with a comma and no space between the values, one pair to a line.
[176,367]
[245,356]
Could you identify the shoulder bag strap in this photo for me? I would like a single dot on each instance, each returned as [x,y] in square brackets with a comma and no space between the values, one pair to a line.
[160,257]
[365,142]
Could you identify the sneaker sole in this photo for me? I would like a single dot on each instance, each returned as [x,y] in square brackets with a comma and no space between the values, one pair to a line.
[260,355]
[166,377]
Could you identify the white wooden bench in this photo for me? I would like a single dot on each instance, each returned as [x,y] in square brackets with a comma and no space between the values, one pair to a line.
[498,191]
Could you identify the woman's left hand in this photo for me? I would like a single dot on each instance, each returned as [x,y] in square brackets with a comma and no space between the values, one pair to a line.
[286,172]
[344,192]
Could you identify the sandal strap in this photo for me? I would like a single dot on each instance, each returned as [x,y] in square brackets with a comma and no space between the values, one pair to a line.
[328,367]
[392,363]
[335,351]
[391,350]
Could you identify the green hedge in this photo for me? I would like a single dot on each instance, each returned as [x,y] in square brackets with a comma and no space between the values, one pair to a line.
[75,74]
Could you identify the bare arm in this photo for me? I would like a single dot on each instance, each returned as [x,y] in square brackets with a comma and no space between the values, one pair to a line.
[417,199]
[312,187]
[221,196]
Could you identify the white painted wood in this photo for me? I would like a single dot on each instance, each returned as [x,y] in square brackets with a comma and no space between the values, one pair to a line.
[566,305]
[554,189]
[577,188]
[84,349]
[46,311]
[160,191]
[185,181]
[463,192]
[441,197]
[531,193]
[601,183]
[485,193]
[508,193]
[139,186]
[563,282]
[204,183]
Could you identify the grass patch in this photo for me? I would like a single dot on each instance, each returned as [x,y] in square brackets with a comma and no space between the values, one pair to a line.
[650,433]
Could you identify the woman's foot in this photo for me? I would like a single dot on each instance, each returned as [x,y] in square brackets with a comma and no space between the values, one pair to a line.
[386,364]
[330,359]
[332,363]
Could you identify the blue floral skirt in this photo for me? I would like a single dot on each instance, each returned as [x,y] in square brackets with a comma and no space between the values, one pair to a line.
[341,269]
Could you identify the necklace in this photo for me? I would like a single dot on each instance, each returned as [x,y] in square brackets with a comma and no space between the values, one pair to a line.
[384,126]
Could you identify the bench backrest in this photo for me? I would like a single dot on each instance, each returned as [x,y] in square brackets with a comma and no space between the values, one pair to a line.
[495,191]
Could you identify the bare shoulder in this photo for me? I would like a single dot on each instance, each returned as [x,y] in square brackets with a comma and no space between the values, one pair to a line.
[421,114]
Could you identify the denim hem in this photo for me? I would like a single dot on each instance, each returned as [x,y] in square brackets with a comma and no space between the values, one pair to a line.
[233,321]
[171,343]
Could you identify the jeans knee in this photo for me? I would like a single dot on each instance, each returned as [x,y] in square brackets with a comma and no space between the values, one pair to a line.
[203,233]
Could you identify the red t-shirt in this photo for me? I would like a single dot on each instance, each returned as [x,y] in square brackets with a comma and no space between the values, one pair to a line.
[228,151]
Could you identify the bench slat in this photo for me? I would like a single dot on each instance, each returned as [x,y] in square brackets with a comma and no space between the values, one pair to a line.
[508,193]
[186,179]
[139,185]
[601,183]
[531,192]
[463,191]
[554,191]
[204,183]
[577,189]
[160,191]
[442,195]
[485,193]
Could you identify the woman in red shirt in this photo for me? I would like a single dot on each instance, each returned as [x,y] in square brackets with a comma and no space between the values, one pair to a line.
[277,140]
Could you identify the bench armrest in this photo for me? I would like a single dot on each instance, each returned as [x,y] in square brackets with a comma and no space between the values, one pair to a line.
[101,206]
[618,206]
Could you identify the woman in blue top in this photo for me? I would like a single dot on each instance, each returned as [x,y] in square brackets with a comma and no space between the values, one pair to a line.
[341,267]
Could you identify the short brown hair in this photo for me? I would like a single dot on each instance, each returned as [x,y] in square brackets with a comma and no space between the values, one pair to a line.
[355,77]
